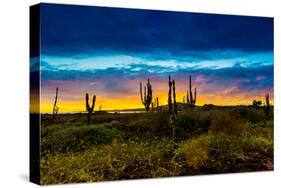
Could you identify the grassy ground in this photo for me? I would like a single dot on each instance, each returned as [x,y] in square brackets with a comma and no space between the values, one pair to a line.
[129,146]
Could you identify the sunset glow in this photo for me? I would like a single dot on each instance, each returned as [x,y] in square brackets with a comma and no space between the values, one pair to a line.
[230,59]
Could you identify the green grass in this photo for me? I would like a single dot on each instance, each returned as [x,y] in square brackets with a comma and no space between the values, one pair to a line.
[75,139]
[131,146]
[115,161]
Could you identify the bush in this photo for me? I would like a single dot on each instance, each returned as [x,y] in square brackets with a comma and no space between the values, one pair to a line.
[79,138]
[196,151]
[147,125]
[250,114]
[257,144]
[192,123]
[216,153]
[264,129]
[225,123]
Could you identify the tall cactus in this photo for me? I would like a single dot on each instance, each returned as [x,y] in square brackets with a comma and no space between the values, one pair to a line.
[55,108]
[147,99]
[267,104]
[172,103]
[174,98]
[89,108]
[191,101]
[170,83]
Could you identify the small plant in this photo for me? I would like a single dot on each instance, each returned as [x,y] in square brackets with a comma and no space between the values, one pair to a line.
[147,99]
[89,108]
[55,108]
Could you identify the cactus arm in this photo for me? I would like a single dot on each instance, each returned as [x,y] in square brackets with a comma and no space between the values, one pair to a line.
[190,96]
[145,96]
[93,104]
[87,102]
[89,108]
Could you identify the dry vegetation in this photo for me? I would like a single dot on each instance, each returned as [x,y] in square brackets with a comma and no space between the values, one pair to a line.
[129,146]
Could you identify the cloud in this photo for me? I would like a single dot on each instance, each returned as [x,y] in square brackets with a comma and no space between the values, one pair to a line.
[68,30]
[226,71]
[209,80]
[155,62]
[242,78]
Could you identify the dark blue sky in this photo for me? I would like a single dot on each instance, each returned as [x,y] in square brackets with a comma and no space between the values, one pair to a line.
[70,29]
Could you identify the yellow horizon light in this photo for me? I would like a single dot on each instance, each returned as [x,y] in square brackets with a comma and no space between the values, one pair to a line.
[134,102]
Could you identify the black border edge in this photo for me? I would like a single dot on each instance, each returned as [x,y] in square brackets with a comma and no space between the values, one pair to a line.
[34,89]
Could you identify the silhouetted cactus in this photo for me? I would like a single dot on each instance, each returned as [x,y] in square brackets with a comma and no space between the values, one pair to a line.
[55,108]
[172,103]
[170,96]
[267,104]
[147,99]
[174,97]
[157,104]
[190,100]
[152,106]
[89,108]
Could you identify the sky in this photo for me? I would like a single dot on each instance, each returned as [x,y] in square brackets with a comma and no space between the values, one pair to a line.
[107,52]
